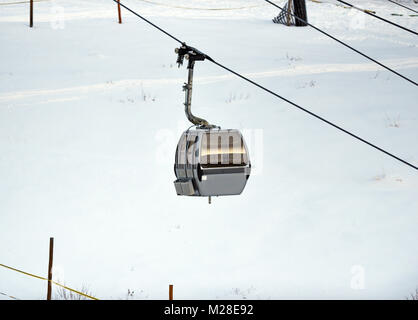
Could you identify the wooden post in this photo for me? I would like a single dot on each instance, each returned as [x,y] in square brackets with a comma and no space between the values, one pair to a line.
[119,13]
[170,292]
[289,10]
[51,257]
[31,14]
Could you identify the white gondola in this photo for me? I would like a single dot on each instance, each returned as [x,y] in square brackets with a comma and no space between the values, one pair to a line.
[209,161]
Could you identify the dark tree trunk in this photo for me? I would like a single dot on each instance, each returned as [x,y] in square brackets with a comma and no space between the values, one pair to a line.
[300,11]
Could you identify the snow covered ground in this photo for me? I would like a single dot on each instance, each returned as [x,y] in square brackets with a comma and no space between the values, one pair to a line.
[90,115]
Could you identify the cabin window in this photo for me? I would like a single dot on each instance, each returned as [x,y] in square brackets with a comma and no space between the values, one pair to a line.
[181,150]
[192,142]
[223,149]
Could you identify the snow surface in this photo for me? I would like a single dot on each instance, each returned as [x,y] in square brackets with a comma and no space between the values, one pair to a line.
[90,115]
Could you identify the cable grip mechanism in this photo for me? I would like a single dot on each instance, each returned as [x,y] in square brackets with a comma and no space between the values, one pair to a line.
[191,55]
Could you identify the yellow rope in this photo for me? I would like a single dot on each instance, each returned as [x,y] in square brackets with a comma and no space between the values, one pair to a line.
[56,283]
[78,292]
[4,294]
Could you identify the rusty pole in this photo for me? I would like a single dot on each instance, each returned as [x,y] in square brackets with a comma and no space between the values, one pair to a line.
[31,14]
[170,292]
[119,13]
[51,256]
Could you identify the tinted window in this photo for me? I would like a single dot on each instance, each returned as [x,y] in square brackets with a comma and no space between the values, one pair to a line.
[181,150]
[220,149]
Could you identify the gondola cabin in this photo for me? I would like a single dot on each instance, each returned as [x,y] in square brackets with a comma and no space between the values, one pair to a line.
[211,162]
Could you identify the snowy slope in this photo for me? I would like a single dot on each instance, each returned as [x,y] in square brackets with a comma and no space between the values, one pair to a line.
[91,112]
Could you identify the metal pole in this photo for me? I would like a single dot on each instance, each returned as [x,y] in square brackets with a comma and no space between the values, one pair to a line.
[51,256]
[31,14]
[188,87]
